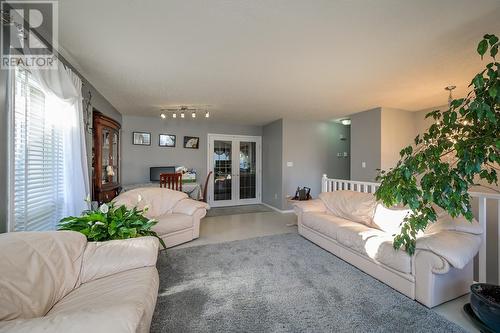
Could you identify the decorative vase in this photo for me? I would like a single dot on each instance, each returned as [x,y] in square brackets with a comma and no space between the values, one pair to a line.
[485,303]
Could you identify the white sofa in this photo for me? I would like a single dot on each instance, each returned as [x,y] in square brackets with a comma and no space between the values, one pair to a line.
[357,229]
[58,282]
[178,216]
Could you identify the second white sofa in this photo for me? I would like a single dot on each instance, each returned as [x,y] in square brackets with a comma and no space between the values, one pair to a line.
[178,216]
[56,281]
[357,229]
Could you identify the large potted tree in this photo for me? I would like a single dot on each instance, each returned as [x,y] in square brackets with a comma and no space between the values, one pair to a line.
[459,150]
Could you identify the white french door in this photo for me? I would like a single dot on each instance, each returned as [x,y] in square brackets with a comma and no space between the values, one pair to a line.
[235,161]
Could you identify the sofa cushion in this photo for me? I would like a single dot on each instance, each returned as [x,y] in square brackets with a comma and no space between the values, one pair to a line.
[169,223]
[389,219]
[122,302]
[37,270]
[159,200]
[353,206]
[324,223]
[447,223]
[374,244]
[126,253]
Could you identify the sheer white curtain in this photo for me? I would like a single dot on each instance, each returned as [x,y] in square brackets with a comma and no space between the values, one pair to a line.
[64,91]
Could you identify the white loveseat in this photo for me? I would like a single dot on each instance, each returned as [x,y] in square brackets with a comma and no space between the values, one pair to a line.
[178,216]
[357,229]
[58,282]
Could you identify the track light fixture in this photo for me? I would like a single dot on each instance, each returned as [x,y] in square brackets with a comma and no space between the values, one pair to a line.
[184,111]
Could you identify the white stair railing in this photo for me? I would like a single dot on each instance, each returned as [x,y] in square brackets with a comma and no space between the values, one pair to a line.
[330,185]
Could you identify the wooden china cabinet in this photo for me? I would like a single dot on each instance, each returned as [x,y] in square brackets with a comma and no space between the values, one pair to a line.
[105,158]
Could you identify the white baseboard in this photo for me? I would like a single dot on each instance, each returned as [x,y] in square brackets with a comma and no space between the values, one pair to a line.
[278,210]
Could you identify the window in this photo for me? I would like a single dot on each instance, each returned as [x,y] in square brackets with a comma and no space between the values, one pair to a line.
[37,163]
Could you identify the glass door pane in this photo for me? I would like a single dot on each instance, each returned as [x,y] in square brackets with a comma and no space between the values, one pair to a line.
[248,170]
[223,177]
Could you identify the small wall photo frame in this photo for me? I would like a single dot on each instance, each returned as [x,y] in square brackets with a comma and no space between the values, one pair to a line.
[141,138]
[166,140]
[191,142]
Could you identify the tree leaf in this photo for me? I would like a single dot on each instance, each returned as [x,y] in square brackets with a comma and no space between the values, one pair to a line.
[493,91]
[456,149]
[494,51]
[493,40]
[482,47]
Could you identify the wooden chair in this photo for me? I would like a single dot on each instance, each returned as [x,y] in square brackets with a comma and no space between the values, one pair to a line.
[205,188]
[171,181]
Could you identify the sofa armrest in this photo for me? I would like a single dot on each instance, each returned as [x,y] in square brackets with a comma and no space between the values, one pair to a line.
[102,259]
[457,248]
[315,205]
[189,206]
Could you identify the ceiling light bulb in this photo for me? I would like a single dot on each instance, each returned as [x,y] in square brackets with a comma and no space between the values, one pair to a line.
[163,116]
[207,114]
[174,115]
[193,114]
[182,114]
[346,122]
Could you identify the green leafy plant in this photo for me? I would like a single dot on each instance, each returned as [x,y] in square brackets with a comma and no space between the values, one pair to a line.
[460,148]
[109,222]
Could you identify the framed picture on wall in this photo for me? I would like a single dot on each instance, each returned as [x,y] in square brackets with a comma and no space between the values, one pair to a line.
[166,140]
[141,138]
[191,142]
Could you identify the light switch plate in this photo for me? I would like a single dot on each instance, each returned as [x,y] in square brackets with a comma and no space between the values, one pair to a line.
[363,164]
[289,164]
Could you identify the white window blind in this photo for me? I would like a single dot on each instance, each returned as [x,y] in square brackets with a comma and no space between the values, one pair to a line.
[38,158]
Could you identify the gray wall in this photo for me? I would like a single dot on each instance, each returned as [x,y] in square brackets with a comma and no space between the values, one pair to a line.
[366,144]
[397,132]
[272,161]
[377,137]
[136,160]
[311,147]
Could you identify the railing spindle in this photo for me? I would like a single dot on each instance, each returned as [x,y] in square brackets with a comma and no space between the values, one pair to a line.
[498,237]
[482,249]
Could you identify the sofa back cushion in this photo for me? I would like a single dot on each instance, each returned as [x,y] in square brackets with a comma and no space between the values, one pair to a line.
[354,206]
[37,270]
[389,219]
[159,200]
[445,222]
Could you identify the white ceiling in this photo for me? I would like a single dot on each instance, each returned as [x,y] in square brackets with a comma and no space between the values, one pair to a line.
[256,61]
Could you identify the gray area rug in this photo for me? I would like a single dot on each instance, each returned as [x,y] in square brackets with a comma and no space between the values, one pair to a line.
[233,210]
[281,283]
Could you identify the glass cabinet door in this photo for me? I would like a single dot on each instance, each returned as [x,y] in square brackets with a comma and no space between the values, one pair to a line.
[106,154]
[114,158]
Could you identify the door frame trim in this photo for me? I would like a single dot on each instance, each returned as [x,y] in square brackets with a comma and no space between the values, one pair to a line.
[232,137]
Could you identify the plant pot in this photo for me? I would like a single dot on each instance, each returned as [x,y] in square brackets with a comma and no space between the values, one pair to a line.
[485,302]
